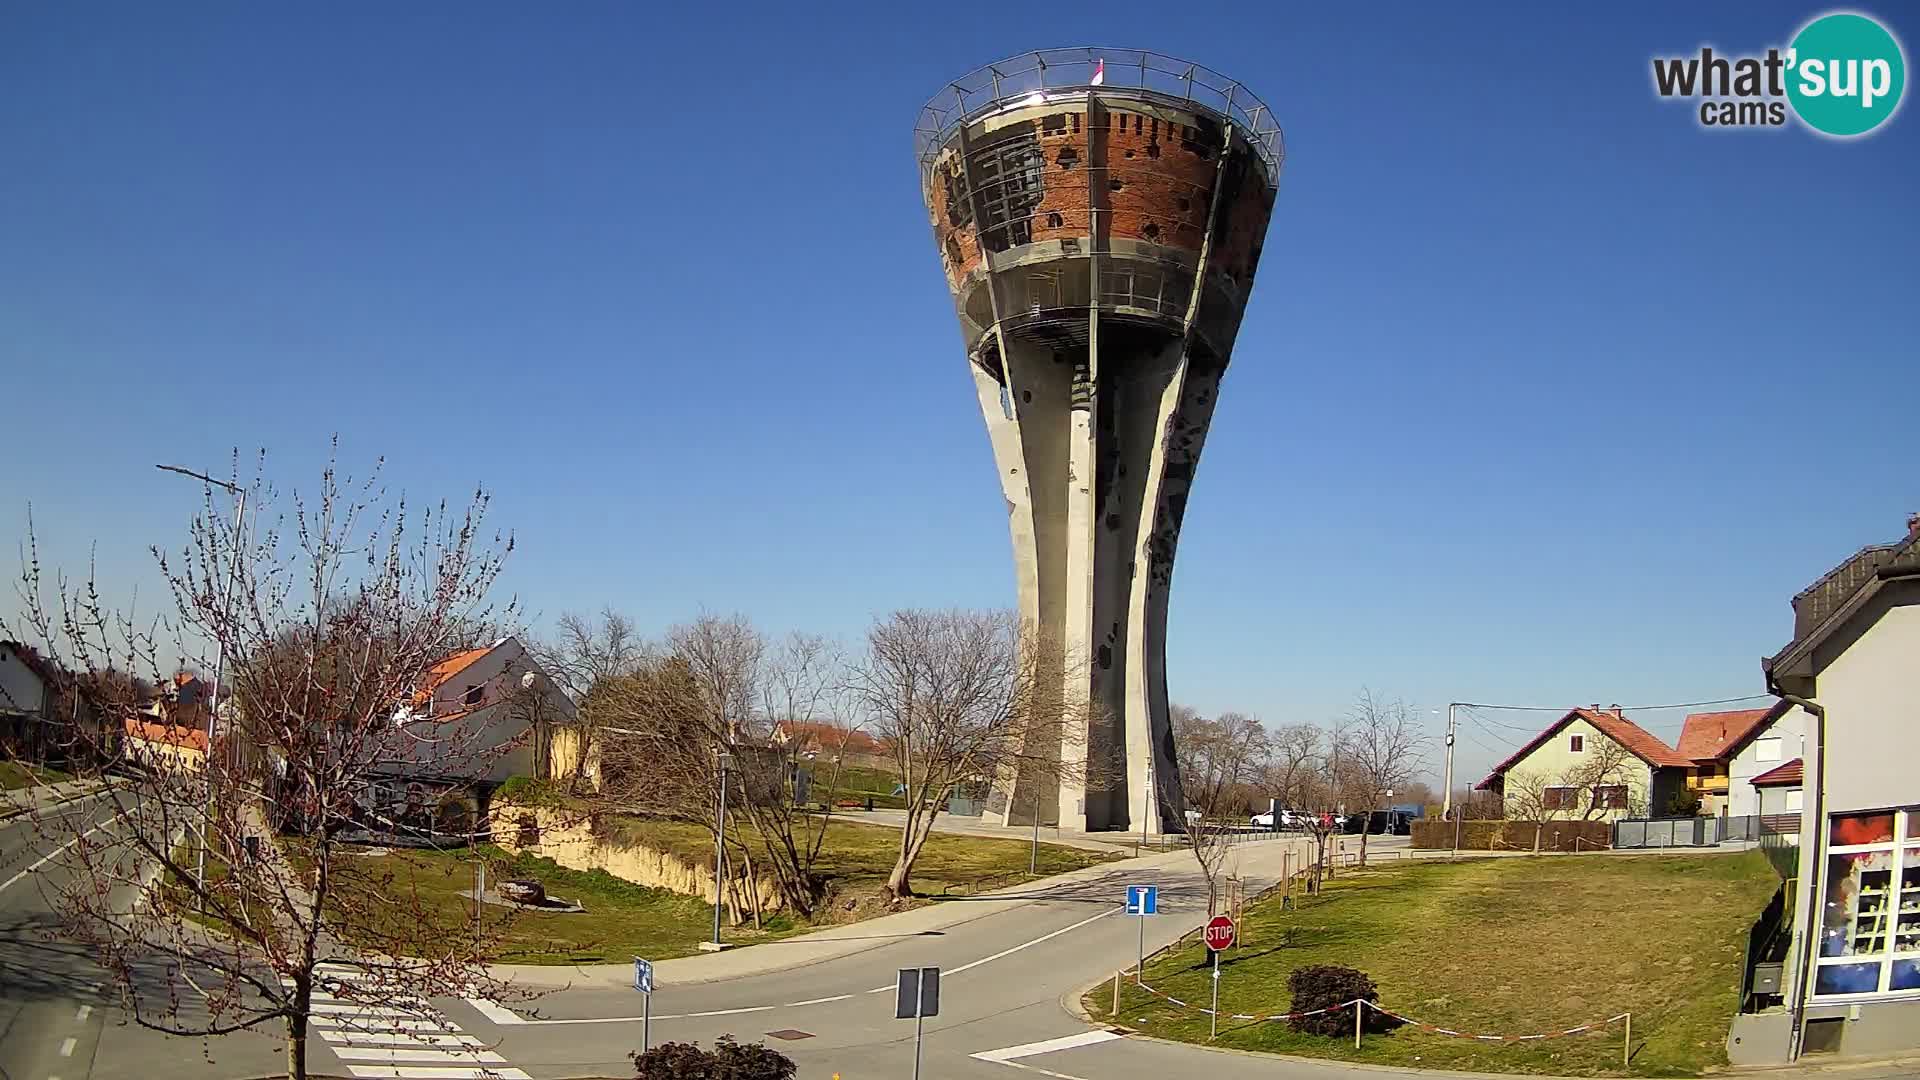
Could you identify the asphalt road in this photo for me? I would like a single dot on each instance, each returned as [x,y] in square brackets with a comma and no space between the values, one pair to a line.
[1005,978]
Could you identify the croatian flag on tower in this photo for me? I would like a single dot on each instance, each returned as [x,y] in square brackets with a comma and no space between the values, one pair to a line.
[1099,73]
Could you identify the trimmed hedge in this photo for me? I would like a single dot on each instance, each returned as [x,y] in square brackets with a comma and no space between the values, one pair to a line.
[728,1060]
[1514,835]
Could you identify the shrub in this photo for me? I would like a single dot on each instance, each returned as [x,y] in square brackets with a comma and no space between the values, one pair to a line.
[1324,986]
[728,1060]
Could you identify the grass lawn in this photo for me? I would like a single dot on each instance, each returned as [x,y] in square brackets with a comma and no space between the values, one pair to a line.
[15,775]
[857,858]
[1494,946]
[622,920]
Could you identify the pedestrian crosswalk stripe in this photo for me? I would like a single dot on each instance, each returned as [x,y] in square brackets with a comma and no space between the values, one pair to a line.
[368,1009]
[384,1023]
[395,1038]
[436,1073]
[395,1056]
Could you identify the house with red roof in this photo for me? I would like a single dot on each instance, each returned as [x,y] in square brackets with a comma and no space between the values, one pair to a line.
[1592,764]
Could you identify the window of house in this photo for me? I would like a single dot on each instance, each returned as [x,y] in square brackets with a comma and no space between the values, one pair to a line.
[1793,800]
[1869,934]
[1610,797]
[475,694]
[1576,743]
[1557,798]
[1766,749]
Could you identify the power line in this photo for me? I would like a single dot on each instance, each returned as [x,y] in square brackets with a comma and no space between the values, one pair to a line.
[1643,708]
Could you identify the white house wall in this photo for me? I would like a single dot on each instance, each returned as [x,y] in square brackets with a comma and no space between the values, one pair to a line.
[1871,691]
[20,689]
[1742,797]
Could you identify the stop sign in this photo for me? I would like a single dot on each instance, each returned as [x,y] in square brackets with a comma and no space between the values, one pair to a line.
[1220,933]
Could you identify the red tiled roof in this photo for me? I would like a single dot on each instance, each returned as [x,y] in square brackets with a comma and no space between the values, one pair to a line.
[1707,736]
[1788,775]
[1636,740]
[830,736]
[171,734]
[438,674]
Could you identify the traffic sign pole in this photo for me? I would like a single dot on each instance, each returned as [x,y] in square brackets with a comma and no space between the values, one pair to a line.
[1215,1033]
[1140,965]
[646,1022]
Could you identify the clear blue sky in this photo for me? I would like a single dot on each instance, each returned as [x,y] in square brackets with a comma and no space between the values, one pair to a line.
[1545,394]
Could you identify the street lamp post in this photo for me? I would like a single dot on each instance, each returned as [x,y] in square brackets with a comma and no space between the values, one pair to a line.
[220,637]
[720,850]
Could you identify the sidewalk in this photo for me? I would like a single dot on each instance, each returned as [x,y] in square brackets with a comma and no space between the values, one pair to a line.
[1258,862]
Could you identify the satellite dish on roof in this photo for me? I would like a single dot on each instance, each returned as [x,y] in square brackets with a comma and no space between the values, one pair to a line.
[527,680]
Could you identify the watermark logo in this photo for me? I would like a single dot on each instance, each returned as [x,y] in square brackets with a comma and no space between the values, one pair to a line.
[1843,75]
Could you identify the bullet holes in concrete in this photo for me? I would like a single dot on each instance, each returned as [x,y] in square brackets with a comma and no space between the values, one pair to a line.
[1067,158]
[1153,150]
[1150,231]
[1054,125]
[1055,221]
[1114,185]
[1127,153]
[1186,203]
[953,252]
[1026,397]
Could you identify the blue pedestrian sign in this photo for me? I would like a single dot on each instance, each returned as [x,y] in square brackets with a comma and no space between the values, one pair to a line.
[1143,899]
[643,975]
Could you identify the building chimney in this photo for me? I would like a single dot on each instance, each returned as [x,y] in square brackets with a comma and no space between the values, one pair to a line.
[1615,710]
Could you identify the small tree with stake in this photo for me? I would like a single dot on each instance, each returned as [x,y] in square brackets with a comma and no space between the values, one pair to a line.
[331,615]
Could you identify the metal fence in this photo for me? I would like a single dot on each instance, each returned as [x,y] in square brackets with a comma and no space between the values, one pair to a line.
[1696,831]
[1116,72]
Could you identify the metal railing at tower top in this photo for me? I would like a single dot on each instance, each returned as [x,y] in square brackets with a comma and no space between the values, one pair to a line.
[1037,75]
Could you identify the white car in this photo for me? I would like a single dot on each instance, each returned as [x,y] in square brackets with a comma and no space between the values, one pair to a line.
[1265,821]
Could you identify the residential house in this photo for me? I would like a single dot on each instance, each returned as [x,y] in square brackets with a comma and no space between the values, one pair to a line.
[1704,740]
[162,746]
[1851,982]
[43,719]
[1730,749]
[491,713]
[1778,799]
[1592,764]
[850,745]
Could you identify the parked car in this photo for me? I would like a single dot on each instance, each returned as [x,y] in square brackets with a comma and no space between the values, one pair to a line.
[1288,819]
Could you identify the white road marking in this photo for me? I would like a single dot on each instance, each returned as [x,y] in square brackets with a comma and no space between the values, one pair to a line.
[49,856]
[396,1039]
[502,1015]
[1085,1038]
[82,1015]
[1030,944]
[357,1009]
[66,1048]
[438,1073]
[395,1056]
[384,1023]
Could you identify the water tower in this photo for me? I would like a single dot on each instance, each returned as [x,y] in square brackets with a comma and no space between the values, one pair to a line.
[1099,214]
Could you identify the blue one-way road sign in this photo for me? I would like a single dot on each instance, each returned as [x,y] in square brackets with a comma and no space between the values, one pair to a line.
[1143,899]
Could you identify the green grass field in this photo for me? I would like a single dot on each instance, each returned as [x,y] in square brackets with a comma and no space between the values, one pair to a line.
[857,858]
[1494,946]
[15,775]
[624,920]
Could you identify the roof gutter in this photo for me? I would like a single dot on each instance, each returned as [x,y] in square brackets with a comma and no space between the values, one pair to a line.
[1810,861]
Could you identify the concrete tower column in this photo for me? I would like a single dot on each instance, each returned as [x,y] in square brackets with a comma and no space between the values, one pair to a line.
[1100,216]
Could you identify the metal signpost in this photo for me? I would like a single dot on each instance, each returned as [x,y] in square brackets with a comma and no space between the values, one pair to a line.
[916,997]
[643,982]
[1142,901]
[1219,940]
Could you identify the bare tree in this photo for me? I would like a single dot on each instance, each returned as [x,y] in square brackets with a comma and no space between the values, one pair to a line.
[332,616]
[1602,780]
[1294,755]
[723,690]
[583,652]
[1529,795]
[1383,745]
[957,699]
[1217,758]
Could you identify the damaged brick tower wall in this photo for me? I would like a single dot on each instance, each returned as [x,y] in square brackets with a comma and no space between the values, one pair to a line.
[1155,179]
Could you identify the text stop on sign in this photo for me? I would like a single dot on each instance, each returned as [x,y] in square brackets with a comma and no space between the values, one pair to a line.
[1220,933]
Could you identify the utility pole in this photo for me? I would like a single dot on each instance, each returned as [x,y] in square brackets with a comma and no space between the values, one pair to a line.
[220,662]
[1446,798]
[720,851]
